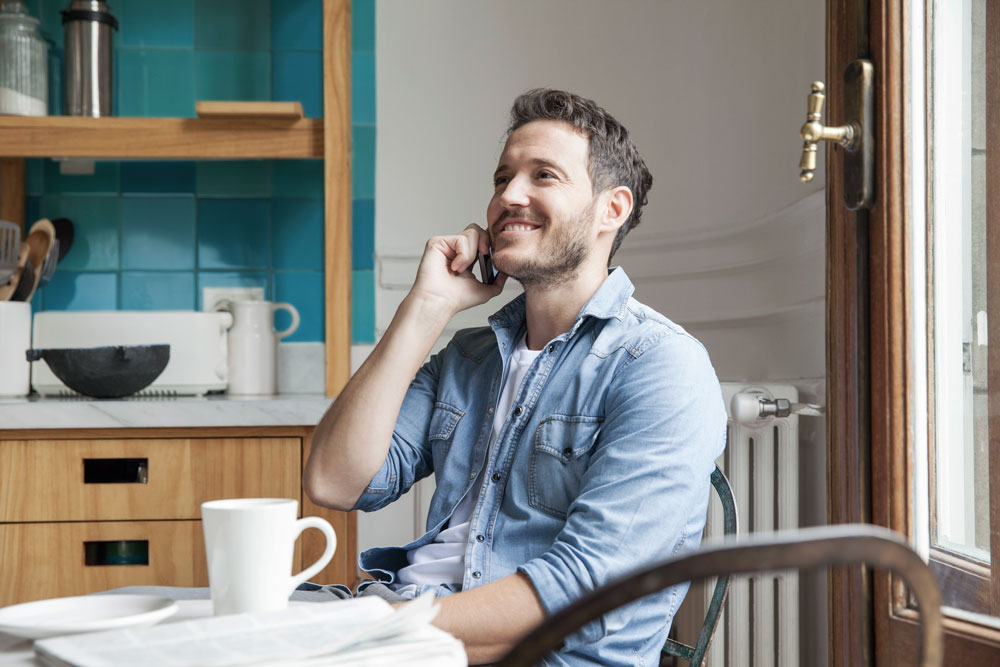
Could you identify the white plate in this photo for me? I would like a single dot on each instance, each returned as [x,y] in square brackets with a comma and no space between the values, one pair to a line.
[86,613]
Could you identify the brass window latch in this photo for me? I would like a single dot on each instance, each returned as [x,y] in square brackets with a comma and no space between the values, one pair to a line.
[856,136]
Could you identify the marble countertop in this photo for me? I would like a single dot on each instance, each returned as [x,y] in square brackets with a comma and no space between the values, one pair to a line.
[220,410]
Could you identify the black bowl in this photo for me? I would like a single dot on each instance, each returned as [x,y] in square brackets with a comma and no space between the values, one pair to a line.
[105,372]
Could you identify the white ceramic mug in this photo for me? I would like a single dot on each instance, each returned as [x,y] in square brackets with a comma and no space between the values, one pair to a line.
[15,339]
[249,544]
[253,345]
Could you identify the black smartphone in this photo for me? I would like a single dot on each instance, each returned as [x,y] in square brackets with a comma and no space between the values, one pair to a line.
[487,272]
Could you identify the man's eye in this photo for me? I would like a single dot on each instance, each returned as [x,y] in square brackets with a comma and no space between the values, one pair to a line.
[500,180]
[546,174]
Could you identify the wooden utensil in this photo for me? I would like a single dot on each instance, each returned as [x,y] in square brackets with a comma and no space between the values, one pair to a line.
[40,238]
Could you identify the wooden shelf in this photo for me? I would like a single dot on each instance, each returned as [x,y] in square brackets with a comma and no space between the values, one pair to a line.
[131,138]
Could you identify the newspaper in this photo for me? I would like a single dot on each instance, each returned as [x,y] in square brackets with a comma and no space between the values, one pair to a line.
[363,631]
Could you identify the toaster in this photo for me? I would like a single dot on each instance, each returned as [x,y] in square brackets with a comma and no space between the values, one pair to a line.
[198,345]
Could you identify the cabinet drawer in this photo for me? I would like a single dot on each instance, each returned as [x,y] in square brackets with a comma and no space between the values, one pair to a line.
[138,479]
[43,560]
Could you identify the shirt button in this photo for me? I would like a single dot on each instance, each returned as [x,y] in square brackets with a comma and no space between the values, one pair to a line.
[480,538]
[568,452]
[472,475]
[489,410]
[477,574]
[496,477]
[552,348]
[518,411]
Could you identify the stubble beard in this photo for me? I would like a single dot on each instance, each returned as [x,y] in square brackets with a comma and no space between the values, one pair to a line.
[559,259]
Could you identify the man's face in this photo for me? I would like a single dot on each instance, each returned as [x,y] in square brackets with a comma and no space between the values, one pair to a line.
[541,216]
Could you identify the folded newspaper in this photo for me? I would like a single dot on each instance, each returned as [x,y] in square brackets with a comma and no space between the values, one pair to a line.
[364,631]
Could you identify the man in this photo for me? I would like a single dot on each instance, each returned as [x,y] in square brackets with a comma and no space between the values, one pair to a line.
[572,440]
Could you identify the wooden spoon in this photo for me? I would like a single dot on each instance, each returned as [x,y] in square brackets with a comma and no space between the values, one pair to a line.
[40,238]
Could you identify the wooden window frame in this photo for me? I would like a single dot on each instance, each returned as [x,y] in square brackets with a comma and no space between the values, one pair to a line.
[869,384]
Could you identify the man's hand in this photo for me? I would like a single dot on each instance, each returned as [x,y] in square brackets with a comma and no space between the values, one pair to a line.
[445,273]
[351,441]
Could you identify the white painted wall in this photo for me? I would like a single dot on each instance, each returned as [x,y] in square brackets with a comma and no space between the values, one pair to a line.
[714,92]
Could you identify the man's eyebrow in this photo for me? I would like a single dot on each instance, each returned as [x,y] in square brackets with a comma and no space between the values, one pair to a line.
[535,162]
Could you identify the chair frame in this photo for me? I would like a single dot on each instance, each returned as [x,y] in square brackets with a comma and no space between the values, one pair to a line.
[806,548]
[730,527]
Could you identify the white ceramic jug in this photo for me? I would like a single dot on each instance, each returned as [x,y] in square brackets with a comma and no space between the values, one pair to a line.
[253,345]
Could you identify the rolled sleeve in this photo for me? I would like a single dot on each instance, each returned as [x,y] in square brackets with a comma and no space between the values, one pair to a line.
[409,457]
[644,494]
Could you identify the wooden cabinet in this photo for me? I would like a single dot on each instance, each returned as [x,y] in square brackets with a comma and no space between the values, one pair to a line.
[84,512]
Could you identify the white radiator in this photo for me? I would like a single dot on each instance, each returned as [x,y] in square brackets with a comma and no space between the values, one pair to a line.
[759,626]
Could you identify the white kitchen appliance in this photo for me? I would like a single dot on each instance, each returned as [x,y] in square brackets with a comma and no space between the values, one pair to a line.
[198,347]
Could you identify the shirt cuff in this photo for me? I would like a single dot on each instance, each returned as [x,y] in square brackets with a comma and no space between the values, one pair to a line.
[556,591]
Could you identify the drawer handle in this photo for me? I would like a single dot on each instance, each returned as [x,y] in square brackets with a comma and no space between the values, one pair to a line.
[116,552]
[115,471]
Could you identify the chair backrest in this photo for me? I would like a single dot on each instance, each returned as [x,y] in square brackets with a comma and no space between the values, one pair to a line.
[730,527]
[805,548]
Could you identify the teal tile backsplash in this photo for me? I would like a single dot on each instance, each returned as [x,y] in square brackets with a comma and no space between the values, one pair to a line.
[233,233]
[291,288]
[95,221]
[363,26]
[233,24]
[297,178]
[363,162]
[71,290]
[157,290]
[104,179]
[363,88]
[155,23]
[295,224]
[294,26]
[234,178]
[158,233]
[151,235]
[166,177]
[155,82]
[232,75]
[293,77]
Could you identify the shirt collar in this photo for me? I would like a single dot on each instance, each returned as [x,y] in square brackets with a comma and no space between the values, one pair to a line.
[609,301]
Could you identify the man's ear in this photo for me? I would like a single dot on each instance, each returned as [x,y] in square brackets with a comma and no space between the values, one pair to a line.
[617,208]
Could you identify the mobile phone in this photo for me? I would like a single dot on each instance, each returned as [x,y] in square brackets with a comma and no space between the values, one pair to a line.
[487,272]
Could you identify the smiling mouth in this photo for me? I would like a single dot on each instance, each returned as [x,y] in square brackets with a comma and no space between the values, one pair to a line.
[518,226]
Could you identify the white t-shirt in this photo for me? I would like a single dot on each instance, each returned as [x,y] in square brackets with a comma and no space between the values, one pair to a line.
[443,560]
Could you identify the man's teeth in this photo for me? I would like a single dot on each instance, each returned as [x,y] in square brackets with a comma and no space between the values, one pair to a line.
[518,228]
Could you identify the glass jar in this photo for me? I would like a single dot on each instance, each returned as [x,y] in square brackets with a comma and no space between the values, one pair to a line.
[24,68]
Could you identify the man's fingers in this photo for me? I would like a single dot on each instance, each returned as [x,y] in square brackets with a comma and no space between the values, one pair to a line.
[482,238]
[464,253]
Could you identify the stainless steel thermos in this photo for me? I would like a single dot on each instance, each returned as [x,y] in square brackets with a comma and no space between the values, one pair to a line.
[87,26]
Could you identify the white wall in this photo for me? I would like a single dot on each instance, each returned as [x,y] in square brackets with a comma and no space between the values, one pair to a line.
[714,92]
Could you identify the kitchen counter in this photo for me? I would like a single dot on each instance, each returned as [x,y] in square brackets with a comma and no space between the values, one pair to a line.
[220,410]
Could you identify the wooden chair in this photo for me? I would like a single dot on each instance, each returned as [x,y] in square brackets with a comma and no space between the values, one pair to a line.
[730,528]
[805,548]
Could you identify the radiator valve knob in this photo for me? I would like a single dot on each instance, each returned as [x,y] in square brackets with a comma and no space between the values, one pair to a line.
[748,408]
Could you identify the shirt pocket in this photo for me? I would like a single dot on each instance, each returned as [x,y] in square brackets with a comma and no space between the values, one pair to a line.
[444,421]
[560,455]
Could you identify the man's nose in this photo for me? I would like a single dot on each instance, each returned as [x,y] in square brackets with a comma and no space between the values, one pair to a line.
[516,193]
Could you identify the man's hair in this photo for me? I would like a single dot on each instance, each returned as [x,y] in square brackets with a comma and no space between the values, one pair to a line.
[613,159]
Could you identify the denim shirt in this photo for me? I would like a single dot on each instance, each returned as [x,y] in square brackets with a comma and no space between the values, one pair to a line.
[602,466]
